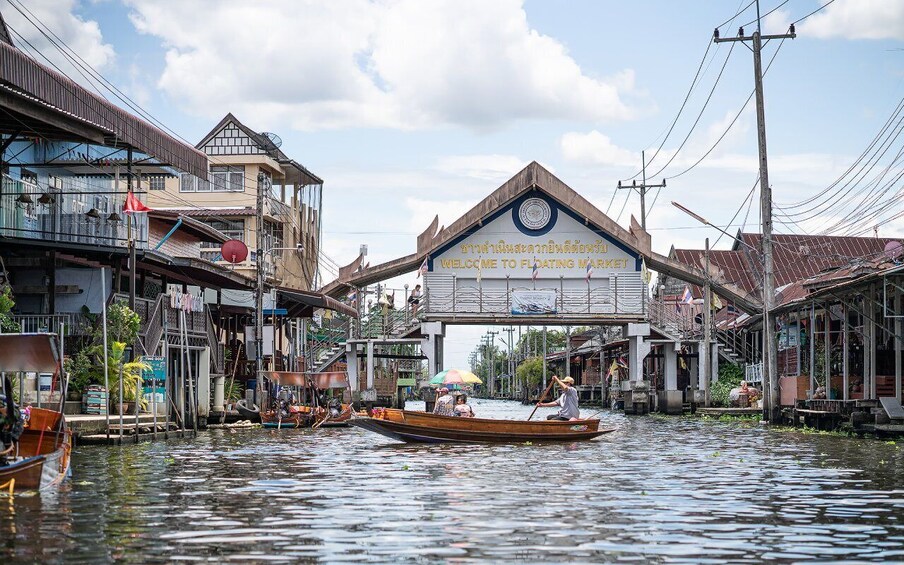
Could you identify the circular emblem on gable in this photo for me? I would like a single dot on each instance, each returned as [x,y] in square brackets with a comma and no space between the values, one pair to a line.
[535,213]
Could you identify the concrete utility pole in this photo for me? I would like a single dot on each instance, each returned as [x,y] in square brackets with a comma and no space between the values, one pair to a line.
[490,346]
[511,359]
[259,288]
[770,359]
[567,352]
[642,189]
[544,357]
[706,353]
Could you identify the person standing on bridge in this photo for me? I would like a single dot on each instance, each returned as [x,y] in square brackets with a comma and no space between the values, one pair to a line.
[567,402]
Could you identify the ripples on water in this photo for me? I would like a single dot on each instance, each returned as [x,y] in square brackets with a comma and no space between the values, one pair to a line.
[660,489]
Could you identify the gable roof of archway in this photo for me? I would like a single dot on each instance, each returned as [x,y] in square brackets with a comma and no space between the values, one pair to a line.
[533,177]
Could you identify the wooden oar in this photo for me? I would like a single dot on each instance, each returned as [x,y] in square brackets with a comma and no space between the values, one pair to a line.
[545,392]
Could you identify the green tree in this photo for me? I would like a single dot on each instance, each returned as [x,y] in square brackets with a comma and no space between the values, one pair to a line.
[122,324]
[131,374]
[531,371]
[7,324]
[532,340]
[730,376]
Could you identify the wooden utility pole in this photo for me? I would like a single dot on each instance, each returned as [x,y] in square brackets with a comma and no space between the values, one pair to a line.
[771,408]
[642,189]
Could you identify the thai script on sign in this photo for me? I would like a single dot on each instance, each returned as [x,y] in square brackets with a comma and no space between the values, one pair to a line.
[551,246]
[528,263]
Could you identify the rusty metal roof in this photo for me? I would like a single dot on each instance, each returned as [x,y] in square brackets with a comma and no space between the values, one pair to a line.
[799,257]
[34,93]
[796,257]
[734,266]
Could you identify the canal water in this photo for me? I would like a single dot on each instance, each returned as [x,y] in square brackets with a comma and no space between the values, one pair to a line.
[658,489]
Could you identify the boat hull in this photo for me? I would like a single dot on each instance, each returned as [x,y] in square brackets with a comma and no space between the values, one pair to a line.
[418,427]
[44,455]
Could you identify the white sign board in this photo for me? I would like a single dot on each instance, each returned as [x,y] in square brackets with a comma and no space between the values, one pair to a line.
[562,247]
[533,302]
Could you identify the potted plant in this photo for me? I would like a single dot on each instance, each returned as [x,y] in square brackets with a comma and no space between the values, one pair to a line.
[126,377]
[82,373]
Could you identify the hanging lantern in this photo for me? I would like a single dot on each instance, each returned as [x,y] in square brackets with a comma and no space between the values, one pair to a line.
[93,214]
[24,200]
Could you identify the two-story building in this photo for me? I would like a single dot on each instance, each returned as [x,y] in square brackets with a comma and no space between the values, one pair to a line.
[242,162]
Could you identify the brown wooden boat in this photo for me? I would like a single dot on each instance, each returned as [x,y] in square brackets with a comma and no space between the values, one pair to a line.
[40,459]
[423,427]
[297,417]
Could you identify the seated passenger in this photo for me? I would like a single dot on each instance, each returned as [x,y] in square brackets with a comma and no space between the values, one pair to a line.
[445,404]
[462,408]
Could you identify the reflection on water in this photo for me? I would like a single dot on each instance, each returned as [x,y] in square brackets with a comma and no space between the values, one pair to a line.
[663,489]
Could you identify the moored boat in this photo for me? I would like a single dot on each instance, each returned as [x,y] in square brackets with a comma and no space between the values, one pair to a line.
[34,450]
[287,416]
[422,427]
[40,459]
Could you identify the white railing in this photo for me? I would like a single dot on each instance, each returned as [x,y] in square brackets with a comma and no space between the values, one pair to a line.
[475,300]
[753,373]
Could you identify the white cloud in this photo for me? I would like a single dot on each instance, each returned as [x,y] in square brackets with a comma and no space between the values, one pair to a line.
[595,148]
[858,19]
[383,63]
[496,168]
[82,36]
[423,211]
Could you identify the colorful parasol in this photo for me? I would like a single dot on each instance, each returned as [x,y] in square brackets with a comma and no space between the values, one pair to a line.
[456,377]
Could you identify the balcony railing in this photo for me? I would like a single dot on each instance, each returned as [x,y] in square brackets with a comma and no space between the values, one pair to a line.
[32,212]
[73,323]
[446,295]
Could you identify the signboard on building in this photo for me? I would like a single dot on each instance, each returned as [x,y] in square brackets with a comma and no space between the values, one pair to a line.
[533,302]
[154,386]
[535,244]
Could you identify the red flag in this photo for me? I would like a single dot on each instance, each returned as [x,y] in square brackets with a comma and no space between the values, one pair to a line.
[134,206]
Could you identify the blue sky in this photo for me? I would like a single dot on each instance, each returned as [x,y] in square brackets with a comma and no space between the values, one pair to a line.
[410,109]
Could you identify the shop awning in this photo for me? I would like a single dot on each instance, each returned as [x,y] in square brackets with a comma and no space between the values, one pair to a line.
[195,271]
[302,303]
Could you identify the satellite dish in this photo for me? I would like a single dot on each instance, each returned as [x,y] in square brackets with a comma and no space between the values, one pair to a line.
[893,249]
[273,138]
[234,251]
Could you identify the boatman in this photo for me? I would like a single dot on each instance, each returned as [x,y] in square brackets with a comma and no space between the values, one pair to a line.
[567,402]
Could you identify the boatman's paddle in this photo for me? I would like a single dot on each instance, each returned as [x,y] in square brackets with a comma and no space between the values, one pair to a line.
[542,398]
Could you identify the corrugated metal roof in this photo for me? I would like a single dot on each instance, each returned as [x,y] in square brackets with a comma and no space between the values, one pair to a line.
[733,264]
[212,212]
[796,258]
[799,257]
[60,94]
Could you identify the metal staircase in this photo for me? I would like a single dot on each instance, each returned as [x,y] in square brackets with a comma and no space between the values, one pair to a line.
[666,319]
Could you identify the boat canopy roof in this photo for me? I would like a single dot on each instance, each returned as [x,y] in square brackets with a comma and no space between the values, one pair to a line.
[330,379]
[286,378]
[31,353]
